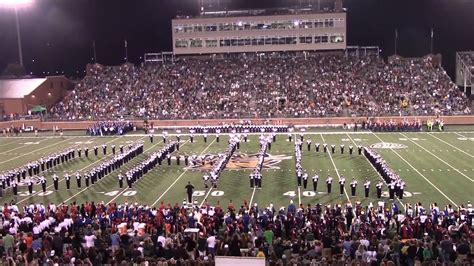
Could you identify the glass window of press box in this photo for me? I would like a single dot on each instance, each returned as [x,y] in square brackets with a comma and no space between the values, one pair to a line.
[261,25]
[258,40]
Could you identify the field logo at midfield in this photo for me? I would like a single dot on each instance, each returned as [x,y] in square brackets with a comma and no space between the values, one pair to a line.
[240,161]
[388,145]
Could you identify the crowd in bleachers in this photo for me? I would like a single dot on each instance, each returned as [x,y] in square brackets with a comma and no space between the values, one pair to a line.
[97,234]
[322,85]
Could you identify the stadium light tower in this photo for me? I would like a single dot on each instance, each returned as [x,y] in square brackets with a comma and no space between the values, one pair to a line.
[17,4]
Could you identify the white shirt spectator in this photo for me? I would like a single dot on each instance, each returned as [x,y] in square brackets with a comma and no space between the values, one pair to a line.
[211,242]
[90,240]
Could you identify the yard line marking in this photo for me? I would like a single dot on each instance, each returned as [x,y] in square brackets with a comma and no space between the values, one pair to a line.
[253,194]
[15,141]
[205,197]
[67,139]
[299,196]
[125,189]
[470,155]
[416,170]
[22,146]
[472,180]
[337,172]
[355,144]
[181,175]
[80,170]
[46,137]
[457,133]
[86,188]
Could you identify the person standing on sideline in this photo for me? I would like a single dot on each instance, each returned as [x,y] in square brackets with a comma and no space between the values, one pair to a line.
[189,191]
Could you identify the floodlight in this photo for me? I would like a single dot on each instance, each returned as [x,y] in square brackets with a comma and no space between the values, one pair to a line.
[15,3]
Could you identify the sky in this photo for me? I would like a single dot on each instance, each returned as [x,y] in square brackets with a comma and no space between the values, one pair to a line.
[57,35]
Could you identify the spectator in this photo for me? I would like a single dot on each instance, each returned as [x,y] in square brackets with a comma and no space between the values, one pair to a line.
[322,85]
[372,238]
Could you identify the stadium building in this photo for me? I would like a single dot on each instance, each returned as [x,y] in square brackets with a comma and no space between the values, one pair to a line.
[18,96]
[246,31]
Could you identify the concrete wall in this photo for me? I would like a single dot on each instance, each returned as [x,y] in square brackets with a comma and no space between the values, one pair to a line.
[79,125]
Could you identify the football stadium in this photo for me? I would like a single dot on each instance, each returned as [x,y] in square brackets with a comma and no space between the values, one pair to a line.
[258,133]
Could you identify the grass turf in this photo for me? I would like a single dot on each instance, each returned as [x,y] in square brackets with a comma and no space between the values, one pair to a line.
[437,167]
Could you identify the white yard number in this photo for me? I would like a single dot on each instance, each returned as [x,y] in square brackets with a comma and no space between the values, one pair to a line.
[25,193]
[309,193]
[305,193]
[130,193]
[112,193]
[471,139]
[406,194]
[126,193]
[46,193]
[201,193]
[217,193]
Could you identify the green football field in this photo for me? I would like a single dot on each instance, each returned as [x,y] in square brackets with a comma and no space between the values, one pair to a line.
[437,167]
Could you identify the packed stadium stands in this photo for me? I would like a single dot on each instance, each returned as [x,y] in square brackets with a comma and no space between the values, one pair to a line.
[91,233]
[322,85]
